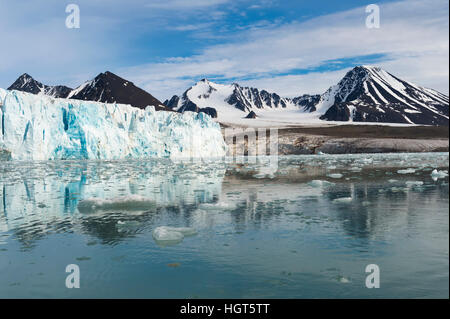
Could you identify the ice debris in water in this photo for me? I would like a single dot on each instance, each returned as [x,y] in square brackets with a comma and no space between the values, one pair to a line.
[413,183]
[335,175]
[37,127]
[343,280]
[266,172]
[406,171]
[319,183]
[435,174]
[131,202]
[342,200]
[399,189]
[166,235]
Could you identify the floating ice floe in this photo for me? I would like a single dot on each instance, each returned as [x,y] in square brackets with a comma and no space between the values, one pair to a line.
[413,183]
[406,171]
[335,175]
[343,280]
[435,174]
[319,183]
[343,200]
[131,202]
[399,189]
[166,235]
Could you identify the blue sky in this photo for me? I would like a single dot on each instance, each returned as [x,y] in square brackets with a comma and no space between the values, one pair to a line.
[164,46]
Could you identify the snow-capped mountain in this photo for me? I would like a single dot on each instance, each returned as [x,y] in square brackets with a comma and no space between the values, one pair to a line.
[26,83]
[218,99]
[105,87]
[370,94]
[364,94]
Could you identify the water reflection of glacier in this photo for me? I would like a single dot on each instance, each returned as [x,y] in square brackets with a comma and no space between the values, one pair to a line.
[44,196]
[52,190]
[283,234]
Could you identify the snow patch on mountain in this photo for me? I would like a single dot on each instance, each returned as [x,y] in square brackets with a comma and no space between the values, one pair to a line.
[26,83]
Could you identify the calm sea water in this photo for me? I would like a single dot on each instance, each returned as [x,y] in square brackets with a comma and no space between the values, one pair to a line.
[307,230]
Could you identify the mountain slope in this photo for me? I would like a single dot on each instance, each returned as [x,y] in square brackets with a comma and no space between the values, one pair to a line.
[370,94]
[364,94]
[26,83]
[235,100]
[106,87]
[110,88]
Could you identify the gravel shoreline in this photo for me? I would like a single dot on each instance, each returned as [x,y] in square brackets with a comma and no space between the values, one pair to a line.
[353,139]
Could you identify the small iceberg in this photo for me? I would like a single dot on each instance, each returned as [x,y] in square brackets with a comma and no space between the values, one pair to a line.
[435,174]
[406,171]
[343,280]
[131,202]
[166,235]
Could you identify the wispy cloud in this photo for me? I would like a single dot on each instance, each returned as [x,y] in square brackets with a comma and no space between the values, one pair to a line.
[183,4]
[190,27]
[167,45]
[412,32]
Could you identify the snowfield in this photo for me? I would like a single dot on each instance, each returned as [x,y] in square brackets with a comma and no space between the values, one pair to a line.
[38,127]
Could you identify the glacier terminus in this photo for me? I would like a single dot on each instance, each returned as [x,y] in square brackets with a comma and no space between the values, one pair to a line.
[39,127]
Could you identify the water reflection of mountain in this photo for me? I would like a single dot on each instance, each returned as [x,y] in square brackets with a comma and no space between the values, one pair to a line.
[42,198]
[377,204]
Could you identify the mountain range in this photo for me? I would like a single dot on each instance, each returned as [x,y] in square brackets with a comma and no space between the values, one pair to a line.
[105,87]
[364,94]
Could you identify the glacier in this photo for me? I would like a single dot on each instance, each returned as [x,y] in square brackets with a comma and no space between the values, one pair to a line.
[37,127]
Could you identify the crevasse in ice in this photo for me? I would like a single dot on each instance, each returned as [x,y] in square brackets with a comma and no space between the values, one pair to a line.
[35,127]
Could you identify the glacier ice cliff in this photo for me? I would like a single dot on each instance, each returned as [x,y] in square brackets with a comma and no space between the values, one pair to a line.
[36,127]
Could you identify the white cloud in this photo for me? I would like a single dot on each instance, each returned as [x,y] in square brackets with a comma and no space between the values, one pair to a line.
[184,4]
[190,27]
[413,35]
